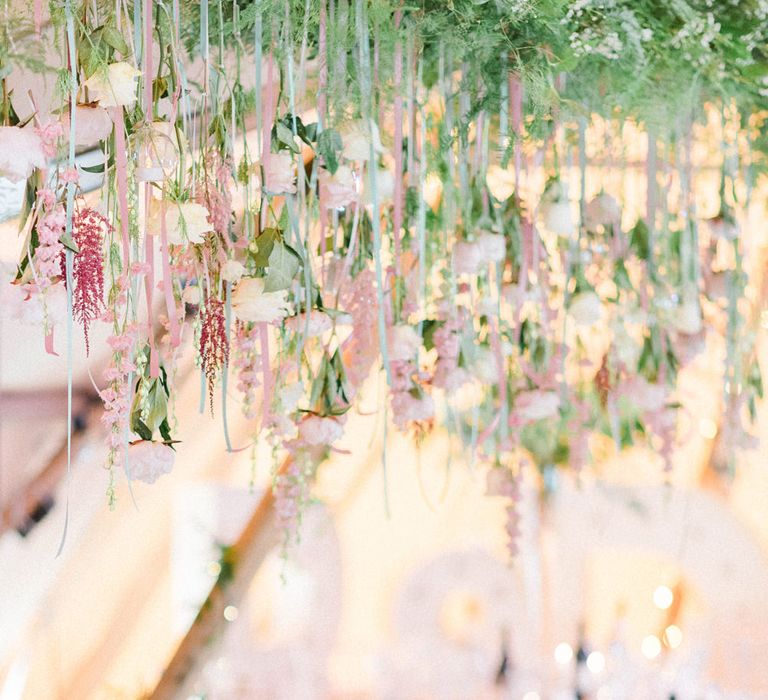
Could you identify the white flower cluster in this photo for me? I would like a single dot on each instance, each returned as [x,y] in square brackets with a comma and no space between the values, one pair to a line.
[695,39]
[601,28]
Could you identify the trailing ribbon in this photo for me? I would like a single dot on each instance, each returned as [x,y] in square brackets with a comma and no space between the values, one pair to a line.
[121,163]
[68,254]
[266,371]
[170,302]
[397,218]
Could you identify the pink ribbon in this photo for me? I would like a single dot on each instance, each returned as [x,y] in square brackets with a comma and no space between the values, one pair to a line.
[38,15]
[149,283]
[49,343]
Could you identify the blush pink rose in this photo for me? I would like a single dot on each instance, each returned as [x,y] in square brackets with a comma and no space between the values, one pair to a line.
[279,175]
[338,190]
[21,151]
[320,430]
[148,461]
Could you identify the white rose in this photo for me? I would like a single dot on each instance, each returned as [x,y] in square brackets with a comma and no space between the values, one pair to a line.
[493,247]
[290,395]
[385,187]
[251,303]
[501,182]
[403,342]
[558,218]
[184,221]
[687,317]
[356,139]
[115,87]
[485,366]
[21,151]
[585,308]
[148,461]
[191,295]
[232,271]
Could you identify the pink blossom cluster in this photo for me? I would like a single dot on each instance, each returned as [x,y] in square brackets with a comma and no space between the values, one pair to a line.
[361,348]
[51,225]
[214,344]
[410,404]
[49,136]
[117,395]
[447,340]
[290,491]
[88,228]
[215,192]
[245,361]
[507,483]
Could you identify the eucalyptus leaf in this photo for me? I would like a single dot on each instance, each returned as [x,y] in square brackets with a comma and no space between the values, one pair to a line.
[284,263]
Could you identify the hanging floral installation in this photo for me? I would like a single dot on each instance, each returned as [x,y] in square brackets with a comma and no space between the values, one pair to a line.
[351,188]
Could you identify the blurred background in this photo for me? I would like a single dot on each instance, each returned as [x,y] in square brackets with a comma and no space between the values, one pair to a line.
[629,583]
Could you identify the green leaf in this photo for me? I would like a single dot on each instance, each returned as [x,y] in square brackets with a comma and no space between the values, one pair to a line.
[158,406]
[67,241]
[263,246]
[115,39]
[329,144]
[96,169]
[138,427]
[639,240]
[284,263]
[285,137]
[428,329]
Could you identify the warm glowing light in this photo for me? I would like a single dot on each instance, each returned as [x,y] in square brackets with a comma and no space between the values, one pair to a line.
[214,569]
[596,662]
[563,653]
[230,613]
[673,636]
[651,647]
[531,695]
[663,597]
[707,428]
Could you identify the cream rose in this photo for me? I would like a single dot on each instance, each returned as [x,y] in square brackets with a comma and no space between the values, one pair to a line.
[184,221]
[232,271]
[115,87]
[251,303]
[585,309]
[501,182]
[357,138]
